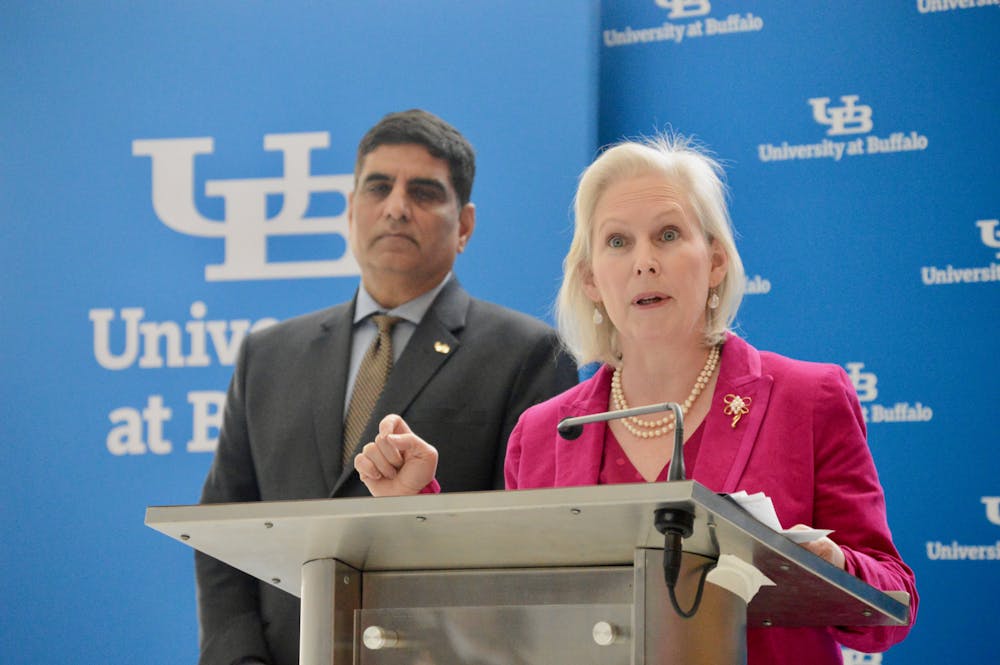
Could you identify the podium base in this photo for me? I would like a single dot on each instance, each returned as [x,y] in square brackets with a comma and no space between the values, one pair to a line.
[611,615]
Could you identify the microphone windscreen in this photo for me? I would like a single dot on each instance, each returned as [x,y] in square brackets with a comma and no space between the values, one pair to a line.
[570,432]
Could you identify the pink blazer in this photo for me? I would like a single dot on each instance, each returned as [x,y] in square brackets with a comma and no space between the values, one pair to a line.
[802,443]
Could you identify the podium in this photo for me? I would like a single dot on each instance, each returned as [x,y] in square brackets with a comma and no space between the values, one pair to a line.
[557,576]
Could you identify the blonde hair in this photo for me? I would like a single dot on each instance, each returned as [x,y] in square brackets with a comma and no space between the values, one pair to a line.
[701,178]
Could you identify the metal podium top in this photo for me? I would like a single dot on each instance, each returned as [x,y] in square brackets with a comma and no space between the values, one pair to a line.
[561,527]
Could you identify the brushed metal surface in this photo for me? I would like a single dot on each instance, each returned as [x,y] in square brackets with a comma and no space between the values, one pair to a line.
[563,527]
[331,593]
[499,587]
[507,635]
[552,616]
[715,635]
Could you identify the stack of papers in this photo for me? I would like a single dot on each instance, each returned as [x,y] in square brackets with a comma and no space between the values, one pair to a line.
[760,506]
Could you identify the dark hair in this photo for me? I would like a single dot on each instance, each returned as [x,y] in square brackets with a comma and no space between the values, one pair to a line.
[441,140]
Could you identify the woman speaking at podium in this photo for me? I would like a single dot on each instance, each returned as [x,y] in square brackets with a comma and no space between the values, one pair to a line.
[652,283]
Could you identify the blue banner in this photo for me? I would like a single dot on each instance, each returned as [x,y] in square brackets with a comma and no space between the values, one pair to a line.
[862,142]
[173,176]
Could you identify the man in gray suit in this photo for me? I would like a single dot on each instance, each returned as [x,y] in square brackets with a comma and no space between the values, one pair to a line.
[463,372]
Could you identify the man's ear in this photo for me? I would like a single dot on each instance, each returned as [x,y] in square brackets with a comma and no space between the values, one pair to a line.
[350,211]
[466,225]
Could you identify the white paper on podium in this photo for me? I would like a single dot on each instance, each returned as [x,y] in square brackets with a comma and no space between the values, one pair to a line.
[762,508]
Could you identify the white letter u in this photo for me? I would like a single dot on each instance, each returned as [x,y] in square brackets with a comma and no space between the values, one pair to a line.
[992,508]
[101,319]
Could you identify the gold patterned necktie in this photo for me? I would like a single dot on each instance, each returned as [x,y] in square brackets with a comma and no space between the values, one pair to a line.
[368,385]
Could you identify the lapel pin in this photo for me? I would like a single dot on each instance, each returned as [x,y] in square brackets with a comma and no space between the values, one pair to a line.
[441,347]
[736,406]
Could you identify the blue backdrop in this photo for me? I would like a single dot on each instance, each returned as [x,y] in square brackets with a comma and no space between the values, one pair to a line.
[862,143]
[120,318]
[143,146]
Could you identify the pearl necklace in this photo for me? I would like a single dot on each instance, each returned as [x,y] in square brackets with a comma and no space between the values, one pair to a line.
[648,429]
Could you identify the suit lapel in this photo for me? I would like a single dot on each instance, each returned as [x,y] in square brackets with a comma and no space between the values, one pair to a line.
[329,358]
[433,342]
[578,462]
[725,449]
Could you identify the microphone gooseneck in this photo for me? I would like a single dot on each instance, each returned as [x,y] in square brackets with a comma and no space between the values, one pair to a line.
[675,522]
[571,429]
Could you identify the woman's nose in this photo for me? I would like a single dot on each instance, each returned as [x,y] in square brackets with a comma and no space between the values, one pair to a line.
[645,261]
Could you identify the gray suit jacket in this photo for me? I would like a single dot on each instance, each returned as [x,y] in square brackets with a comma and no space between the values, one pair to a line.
[282,433]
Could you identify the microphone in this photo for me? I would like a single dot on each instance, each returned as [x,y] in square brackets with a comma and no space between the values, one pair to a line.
[572,428]
[675,522]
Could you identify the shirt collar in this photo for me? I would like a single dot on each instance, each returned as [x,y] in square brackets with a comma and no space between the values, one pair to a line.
[412,311]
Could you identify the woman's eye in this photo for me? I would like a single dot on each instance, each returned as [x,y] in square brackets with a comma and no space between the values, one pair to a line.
[669,234]
[616,242]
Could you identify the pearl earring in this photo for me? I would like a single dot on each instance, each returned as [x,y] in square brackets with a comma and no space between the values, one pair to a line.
[713,300]
[598,317]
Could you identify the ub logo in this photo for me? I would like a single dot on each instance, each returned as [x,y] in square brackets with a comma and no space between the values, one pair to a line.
[988,233]
[851,118]
[246,227]
[992,508]
[685,8]
[864,382]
